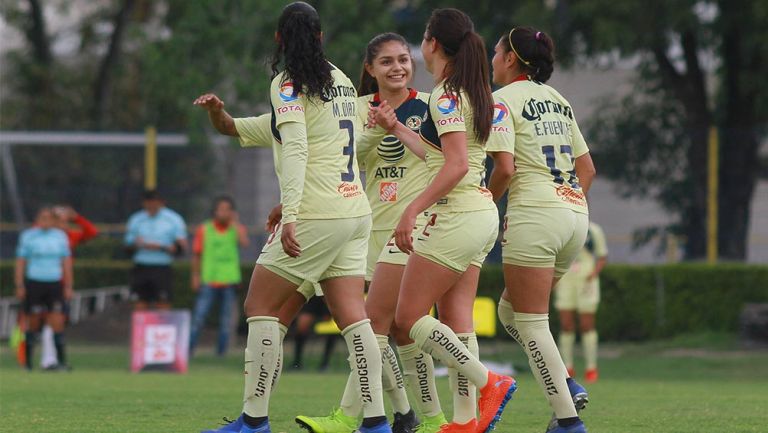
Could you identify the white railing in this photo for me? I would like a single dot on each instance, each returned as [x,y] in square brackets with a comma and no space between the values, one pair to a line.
[83,304]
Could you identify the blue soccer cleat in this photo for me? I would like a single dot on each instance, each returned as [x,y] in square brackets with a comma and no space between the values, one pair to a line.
[382,427]
[580,400]
[575,428]
[239,426]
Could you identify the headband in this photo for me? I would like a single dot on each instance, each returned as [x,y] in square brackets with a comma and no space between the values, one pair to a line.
[527,63]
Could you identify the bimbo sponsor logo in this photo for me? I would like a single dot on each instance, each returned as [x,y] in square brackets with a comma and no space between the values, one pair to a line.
[287,92]
[447,104]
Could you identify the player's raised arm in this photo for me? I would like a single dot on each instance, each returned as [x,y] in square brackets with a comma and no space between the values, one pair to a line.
[220,119]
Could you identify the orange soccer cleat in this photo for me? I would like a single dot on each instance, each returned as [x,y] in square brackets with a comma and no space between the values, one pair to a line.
[494,396]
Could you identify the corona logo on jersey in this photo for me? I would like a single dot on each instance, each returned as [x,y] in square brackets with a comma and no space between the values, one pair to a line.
[500,113]
[447,104]
[287,92]
[391,149]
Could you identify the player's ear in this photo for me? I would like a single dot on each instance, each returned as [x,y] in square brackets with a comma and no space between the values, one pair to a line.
[277,37]
[510,59]
[321,36]
[369,69]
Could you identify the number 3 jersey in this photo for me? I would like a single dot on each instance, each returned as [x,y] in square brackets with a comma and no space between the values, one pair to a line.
[331,188]
[394,175]
[535,123]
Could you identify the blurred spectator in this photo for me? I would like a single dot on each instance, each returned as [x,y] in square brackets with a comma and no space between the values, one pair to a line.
[155,234]
[65,217]
[216,269]
[44,281]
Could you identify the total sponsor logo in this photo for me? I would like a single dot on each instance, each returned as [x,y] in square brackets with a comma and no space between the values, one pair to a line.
[500,113]
[348,190]
[450,121]
[388,191]
[287,92]
[447,104]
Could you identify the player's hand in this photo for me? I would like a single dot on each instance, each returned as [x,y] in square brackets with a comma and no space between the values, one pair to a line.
[385,116]
[371,121]
[69,292]
[288,238]
[273,219]
[195,283]
[210,102]
[404,231]
[21,293]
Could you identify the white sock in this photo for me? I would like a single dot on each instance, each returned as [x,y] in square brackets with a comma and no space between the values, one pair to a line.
[351,404]
[261,353]
[365,360]
[279,367]
[419,375]
[567,340]
[392,378]
[545,362]
[439,341]
[464,391]
[507,318]
[589,344]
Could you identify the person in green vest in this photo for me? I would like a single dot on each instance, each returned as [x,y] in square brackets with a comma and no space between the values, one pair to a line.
[216,269]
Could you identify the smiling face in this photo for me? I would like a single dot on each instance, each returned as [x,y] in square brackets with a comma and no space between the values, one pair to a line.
[503,65]
[392,67]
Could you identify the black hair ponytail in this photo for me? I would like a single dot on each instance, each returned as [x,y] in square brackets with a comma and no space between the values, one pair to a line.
[300,46]
[534,49]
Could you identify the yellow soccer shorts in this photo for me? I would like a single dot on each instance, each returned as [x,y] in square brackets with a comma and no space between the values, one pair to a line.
[390,253]
[543,237]
[329,249]
[376,244]
[457,240]
[577,294]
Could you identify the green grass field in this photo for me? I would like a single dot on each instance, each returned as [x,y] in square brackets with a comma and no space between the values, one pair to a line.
[674,386]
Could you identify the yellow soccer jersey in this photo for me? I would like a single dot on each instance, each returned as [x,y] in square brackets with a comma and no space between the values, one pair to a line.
[446,115]
[394,175]
[257,132]
[331,187]
[545,142]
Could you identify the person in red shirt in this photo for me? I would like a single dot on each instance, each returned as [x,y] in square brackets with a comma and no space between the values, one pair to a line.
[66,216]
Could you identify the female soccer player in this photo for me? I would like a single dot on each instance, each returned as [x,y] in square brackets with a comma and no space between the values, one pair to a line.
[44,280]
[547,217]
[463,223]
[394,177]
[325,220]
[578,293]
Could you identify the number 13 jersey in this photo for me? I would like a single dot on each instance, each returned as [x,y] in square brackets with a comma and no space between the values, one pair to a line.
[332,187]
[535,123]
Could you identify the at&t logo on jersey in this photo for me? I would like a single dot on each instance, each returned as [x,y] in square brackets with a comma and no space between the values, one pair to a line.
[500,114]
[391,149]
[287,92]
[447,104]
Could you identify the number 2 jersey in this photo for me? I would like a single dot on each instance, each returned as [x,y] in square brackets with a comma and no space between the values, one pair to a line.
[448,113]
[394,175]
[535,123]
[331,187]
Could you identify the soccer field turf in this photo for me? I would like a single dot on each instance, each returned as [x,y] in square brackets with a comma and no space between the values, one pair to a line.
[648,388]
